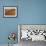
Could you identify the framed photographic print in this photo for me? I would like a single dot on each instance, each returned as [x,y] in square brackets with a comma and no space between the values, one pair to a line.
[10,11]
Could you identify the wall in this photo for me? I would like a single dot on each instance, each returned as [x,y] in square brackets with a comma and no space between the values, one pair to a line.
[32,11]
[7,25]
[29,12]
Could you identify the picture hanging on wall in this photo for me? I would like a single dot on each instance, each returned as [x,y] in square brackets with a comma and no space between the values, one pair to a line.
[10,11]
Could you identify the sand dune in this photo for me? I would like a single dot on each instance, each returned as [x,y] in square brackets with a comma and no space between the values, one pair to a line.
[10,12]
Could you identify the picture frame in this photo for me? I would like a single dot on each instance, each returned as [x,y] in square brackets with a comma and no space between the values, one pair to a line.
[10,11]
